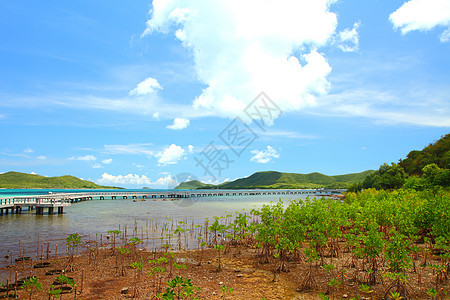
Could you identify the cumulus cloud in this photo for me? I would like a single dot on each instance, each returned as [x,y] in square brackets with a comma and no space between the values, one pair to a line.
[148,86]
[156,116]
[251,46]
[264,156]
[107,161]
[348,39]
[133,180]
[179,123]
[423,15]
[28,150]
[129,179]
[97,166]
[171,155]
[84,158]
[166,155]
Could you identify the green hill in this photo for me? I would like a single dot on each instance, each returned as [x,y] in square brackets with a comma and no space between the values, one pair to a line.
[16,180]
[278,180]
[194,184]
[436,153]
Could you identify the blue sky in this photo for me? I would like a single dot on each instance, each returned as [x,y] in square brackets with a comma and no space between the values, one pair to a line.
[133,93]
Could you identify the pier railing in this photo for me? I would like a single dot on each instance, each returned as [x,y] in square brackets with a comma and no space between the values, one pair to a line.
[64,199]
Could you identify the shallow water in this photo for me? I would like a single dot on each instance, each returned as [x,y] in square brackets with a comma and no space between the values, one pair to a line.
[92,219]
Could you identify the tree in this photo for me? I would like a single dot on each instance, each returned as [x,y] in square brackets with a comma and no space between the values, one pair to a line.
[435,176]
[387,177]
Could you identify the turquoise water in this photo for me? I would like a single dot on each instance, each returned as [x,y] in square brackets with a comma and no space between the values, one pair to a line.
[96,217]
[27,192]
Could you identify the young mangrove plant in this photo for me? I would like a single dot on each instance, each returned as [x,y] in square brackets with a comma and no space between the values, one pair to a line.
[138,267]
[32,285]
[72,242]
[226,291]
[219,248]
[180,288]
[123,251]
[115,233]
[54,292]
[157,271]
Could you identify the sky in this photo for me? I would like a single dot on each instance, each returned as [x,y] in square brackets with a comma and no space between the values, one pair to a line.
[151,93]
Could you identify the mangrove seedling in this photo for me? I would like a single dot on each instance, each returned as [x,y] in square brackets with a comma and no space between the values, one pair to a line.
[334,283]
[138,267]
[64,280]
[432,293]
[123,251]
[395,296]
[226,291]
[157,272]
[53,292]
[180,288]
[32,285]
[218,249]
[366,290]
[115,233]
[72,242]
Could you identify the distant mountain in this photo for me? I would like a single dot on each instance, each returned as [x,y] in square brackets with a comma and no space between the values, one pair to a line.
[278,180]
[194,185]
[16,180]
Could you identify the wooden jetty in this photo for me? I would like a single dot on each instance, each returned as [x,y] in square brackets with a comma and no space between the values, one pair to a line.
[61,200]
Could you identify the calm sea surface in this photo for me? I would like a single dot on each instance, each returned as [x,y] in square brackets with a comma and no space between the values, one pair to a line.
[94,218]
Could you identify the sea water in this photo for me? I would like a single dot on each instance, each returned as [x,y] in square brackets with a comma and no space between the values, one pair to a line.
[27,231]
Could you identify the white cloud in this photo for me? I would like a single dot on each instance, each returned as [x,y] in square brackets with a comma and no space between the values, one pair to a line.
[252,46]
[140,167]
[107,161]
[129,149]
[264,156]
[33,173]
[84,158]
[97,166]
[28,150]
[423,15]
[190,149]
[148,86]
[41,157]
[156,116]
[348,39]
[134,180]
[162,182]
[166,155]
[445,36]
[179,123]
[129,179]
[286,134]
[423,108]
[171,155]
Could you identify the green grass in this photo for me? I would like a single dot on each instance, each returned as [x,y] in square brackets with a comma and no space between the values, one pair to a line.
[16,180]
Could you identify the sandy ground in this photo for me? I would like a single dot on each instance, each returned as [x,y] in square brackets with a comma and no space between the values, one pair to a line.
[99,278]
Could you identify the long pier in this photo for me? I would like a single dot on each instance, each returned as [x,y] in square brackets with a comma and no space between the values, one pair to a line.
[61,200]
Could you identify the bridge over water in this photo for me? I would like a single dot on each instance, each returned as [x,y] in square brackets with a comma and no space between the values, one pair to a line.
[61,200]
